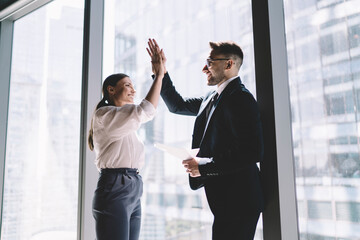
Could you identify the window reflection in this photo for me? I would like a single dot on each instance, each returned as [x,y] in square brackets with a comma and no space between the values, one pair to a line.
[42,149]
[324,76]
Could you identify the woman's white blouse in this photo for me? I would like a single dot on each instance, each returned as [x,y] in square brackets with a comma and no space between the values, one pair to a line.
[116,143]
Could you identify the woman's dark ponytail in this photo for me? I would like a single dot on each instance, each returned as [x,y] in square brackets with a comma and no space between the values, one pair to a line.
[102,103]
[90,137]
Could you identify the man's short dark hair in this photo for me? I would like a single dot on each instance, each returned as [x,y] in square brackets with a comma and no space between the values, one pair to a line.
[227,48]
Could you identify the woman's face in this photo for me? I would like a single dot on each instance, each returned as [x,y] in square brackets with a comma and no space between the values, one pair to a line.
[123,93]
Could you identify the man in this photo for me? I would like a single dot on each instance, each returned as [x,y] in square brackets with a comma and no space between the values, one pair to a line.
[228,133]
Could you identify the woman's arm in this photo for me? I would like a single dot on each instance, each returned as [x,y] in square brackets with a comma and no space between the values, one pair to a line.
[158,69]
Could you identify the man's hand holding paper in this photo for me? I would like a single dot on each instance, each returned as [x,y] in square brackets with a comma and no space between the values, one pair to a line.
[181,153]
[190,161]
[192,167]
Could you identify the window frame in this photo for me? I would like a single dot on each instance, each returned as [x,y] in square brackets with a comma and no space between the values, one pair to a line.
[90,87]
[91,95]
[6,33]
[272,89]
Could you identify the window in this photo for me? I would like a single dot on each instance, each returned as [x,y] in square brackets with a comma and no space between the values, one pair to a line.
[317,237]
[340,103]
[325,131]
[354,32]
[125,54]
[343,140]
[337,80]
[183,29]
[319,210]
[327,4]
[345,164]
[348,211]
[333,43]
[42,149]
[305,53]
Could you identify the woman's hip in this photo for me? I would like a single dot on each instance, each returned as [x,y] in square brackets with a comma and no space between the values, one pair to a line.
[121,185]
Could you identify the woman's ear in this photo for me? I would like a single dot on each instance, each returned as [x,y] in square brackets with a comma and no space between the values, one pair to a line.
[110,90]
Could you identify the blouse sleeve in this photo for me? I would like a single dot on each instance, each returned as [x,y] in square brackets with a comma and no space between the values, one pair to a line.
[116,122]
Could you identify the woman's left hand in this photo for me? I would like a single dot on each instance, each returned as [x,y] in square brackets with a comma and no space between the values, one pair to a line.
[156,55]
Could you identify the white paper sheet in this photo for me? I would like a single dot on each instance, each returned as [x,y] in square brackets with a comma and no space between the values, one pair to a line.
[181,153]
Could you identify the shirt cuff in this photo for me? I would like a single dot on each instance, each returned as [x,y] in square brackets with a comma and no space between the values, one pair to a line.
[203,161]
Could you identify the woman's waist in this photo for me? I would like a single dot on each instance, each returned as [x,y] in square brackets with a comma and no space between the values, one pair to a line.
[131,171]
[119,160]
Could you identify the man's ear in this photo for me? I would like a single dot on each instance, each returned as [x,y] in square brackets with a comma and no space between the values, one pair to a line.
[228,66]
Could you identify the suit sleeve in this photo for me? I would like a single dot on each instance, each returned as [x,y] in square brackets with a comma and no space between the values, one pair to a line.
[175,102]
[246,145]
[197,182]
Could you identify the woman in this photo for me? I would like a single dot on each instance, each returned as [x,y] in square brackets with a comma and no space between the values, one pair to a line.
[119,152]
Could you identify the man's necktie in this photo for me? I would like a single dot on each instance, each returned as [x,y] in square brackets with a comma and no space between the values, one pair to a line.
[211,104]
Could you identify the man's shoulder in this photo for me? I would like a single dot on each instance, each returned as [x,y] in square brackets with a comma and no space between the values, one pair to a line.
[238,89]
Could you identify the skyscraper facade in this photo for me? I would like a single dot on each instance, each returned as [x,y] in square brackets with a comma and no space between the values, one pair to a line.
[323,42]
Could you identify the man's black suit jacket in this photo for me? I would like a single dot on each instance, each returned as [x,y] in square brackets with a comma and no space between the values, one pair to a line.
[233,139]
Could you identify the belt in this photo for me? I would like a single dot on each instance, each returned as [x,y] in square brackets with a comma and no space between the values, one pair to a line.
[125,172]
[131,171]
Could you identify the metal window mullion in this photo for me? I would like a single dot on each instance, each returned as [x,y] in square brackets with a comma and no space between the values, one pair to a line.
[20,8]
[6,38]
[91,94]
[286,169]
[272,86]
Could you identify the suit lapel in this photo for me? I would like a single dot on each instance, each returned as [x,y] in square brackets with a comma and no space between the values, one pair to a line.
[200,121]
[231,86]
[205,103]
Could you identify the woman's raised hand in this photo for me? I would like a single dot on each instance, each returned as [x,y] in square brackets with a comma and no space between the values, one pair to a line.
[158,69]
[157,58]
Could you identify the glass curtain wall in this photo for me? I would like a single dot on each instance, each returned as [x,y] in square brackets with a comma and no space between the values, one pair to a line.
[42,149]
[183,28]
[323,44]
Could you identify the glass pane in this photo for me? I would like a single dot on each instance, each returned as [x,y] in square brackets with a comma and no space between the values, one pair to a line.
[42,149]
[324,75]
[183,28]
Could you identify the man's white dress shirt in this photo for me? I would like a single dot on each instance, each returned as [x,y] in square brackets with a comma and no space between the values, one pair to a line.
[219,90]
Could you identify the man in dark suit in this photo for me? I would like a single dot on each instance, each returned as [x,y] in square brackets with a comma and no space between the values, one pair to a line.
[228,133]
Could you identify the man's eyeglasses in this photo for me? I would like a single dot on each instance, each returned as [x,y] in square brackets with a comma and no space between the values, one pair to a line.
[210,60]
